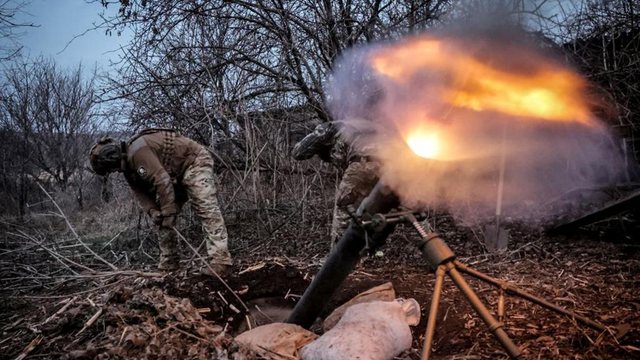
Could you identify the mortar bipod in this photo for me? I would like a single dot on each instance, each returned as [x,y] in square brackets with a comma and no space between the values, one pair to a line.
[442,259]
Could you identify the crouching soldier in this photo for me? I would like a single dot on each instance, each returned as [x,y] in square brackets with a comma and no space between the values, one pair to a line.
[164,170]
[359,177]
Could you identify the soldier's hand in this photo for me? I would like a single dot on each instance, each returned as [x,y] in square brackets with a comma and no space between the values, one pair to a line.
[168,221]
[156,216]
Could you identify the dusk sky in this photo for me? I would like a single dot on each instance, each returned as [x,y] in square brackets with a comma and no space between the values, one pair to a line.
[59,22]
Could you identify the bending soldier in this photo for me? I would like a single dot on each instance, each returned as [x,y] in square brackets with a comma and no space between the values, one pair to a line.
[360,173]
[164,170]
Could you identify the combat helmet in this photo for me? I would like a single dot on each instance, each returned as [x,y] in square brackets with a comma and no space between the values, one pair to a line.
[105,156]
[319,142]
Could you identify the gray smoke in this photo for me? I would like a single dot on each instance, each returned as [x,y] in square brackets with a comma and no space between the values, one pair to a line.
[545,155]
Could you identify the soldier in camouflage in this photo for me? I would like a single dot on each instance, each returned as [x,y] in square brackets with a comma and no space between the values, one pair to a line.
[164,170]
[360,173]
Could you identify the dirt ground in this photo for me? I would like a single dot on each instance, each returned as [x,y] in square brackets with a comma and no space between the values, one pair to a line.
[140,313]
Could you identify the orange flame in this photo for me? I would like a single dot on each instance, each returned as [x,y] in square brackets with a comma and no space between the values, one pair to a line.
[424,144]
[544,92]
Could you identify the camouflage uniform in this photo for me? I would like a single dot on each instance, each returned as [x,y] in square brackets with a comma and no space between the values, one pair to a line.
[357,181]
[359,177]
[164,170]
[199,180]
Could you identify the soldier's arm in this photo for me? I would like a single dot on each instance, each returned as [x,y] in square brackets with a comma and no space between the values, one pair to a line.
[149,167]
[302,150]
[146,202]
[318,142]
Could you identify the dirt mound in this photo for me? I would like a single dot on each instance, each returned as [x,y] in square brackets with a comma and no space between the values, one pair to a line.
[180,315]
[151,324]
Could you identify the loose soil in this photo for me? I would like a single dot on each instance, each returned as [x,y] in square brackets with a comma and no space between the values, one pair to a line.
[184,314]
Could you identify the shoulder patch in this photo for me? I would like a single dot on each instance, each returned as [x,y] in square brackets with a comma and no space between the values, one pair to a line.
[142,171]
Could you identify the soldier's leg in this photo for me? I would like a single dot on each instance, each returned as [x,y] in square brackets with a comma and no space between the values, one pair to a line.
[358,180]
[200,184]
[339,224]
[169,258]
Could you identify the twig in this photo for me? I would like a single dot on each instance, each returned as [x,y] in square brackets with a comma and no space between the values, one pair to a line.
[66,295]
[112,239]
[57,256]
[60,311]
[91,321]
[263,314]
[222,297]
[32,345]
[126,328]
[176,328]
[92,275]
[113,267]
[253,268]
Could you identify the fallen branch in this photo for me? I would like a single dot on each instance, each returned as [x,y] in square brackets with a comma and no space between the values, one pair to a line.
[253,268]
[91,321]
[60,311]
[113,267]
[60,258]
[32,345]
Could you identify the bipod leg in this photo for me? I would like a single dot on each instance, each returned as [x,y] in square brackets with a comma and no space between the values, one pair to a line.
[478,306]
[433,313]
[439,255]
[512,289]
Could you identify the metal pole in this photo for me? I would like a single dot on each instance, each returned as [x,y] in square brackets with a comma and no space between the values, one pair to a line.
[433,313]
[494,325]
[511,289]
[343,258]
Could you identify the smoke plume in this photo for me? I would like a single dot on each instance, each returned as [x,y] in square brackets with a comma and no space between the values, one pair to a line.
[445,112]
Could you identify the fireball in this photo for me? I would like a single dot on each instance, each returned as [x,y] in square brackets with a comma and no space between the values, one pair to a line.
[424,144]
[452,82]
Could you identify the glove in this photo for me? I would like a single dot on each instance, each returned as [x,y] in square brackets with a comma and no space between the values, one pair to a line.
[168,221]
[156,216]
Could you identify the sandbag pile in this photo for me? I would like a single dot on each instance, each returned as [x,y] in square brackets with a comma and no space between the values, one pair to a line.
[364,328]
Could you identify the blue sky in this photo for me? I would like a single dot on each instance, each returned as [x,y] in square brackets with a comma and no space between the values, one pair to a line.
[59,22]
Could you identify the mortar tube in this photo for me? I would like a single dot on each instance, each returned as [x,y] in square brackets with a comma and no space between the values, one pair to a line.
[343,258]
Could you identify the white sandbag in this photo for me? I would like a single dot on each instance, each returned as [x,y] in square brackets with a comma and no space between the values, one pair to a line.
[376,330]
[277,340]
[384,292]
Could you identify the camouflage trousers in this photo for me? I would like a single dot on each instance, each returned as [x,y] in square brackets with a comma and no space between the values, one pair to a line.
[199,182]
[358,180]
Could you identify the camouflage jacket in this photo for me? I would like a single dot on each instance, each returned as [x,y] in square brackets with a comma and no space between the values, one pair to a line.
[155,161]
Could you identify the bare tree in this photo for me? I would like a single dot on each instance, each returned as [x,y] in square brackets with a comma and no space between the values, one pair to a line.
[48,114]
[9,28]
[604,39]
[235,56]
